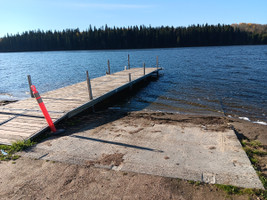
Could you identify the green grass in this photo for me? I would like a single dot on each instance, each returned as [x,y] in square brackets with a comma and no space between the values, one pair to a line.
[14,148]
[263,179]
[255,150]
[252,151]
[191,182]
[229,189]
[233,190]
[255,143]
[196,183]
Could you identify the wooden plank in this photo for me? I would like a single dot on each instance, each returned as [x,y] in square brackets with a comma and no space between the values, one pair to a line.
[6,117]
[19,131]
[7,141]
[22,125]
[12,135]
[29,120]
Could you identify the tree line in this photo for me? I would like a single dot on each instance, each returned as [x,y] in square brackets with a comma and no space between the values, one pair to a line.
[133,37]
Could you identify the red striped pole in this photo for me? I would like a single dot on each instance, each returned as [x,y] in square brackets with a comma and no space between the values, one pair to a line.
[43,108]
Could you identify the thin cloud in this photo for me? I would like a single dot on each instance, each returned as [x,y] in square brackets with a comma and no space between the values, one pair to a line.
[109,6]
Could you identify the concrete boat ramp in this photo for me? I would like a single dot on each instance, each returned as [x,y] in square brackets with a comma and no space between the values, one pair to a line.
[143,142]
[128,143]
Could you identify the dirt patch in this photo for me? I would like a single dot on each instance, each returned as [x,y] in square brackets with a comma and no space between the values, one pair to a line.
[39,179]
[166,157]
[136,131]
[176,118]
[250,130]
[263,164]
[211,148]
[114,159]
[147,119]
[108,159]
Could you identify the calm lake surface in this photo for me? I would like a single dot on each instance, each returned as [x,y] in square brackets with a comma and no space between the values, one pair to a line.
[218,80]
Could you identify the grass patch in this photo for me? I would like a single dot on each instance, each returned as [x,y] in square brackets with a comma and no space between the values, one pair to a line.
[255,150]
[251,151]
[233,190]
[196,183]
[191,182]
[14,148]
[263,179]
[255,143]
[229,189]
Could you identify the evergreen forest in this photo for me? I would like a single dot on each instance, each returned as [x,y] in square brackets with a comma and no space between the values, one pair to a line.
[135,37]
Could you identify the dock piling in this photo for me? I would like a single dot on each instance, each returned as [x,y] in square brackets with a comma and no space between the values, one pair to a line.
[128,61]
[30,84]
[89,86]
[144,66]
[108,67]
[130,77]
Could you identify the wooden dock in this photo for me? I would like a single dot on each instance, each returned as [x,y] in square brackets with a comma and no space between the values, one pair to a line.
[23,120]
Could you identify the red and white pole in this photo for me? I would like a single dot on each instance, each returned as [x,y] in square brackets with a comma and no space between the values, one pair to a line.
[43,108]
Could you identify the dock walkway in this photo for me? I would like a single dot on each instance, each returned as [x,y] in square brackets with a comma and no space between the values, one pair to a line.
[23,119]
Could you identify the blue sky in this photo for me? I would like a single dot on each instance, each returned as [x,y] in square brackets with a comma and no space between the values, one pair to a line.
[17,16]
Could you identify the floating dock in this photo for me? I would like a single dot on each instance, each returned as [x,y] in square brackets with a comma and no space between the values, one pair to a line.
[24,120]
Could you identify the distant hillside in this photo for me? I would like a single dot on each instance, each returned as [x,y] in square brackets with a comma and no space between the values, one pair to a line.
[250,27]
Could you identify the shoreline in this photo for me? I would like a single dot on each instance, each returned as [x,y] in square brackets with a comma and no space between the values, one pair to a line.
[110,49]
[252,130]
[251,119]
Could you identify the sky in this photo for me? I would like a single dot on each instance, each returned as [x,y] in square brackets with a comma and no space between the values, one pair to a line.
[17,16]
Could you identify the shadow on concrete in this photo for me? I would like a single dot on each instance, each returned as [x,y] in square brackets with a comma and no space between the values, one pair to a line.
[116,143]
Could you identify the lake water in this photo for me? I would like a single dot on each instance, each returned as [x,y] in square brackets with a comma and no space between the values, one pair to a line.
[218,80]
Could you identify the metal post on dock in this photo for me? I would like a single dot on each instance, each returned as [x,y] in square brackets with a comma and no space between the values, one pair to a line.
[89,86]
[128,61]
[130,80]
[130,77]
[30,84]
[144,65]
[108,67]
